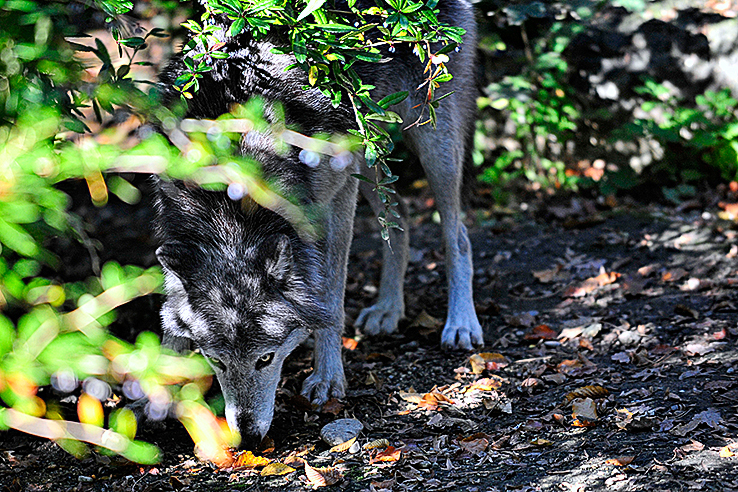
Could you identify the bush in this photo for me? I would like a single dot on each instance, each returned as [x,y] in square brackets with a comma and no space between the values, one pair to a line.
[58,123]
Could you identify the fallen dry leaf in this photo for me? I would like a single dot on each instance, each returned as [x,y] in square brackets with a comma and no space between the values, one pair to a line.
[692,446]
[487,361]
[541,332]
[391,454]
[344,446]
[427,323]
[248,460]
[294,461]
[674,275]
[383,486]
[474,444]
[584,412]
[726,452]
[276,469]
[541,442]
[549,275]
[591,284]
[569,366]
[349,343]
[332,406]
[620,460]
[322,477]
[486,384]
[592,391]
[266,446]
[379,443]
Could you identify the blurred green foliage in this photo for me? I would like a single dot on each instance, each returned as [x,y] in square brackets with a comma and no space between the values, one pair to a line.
[60,120]
[537,100]
[54,333]
[534,129]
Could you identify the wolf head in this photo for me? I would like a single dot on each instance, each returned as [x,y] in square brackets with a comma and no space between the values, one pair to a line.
[238,288]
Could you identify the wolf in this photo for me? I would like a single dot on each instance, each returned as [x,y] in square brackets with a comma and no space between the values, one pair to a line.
[244,286]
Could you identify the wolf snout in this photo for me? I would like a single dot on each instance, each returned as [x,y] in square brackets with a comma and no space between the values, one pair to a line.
[251,429]
[250,441]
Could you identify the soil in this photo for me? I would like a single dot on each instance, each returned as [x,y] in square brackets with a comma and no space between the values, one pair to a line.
[610,363]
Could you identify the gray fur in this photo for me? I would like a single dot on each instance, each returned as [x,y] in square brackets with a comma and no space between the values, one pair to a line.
[246,288]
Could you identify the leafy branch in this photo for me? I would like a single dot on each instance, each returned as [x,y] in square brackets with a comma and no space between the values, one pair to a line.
[327,43]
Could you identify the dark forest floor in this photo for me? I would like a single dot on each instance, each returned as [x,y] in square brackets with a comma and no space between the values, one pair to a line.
[610,363]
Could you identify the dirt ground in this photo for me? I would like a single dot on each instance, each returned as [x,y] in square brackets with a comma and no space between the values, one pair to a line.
[610,364]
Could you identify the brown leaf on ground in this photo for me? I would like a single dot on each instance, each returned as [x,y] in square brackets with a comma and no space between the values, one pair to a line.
[487,361]
[620,460]
[549,275]
[592,284]
[295,461]
[427,323]
[322,477]
[584,412]
[248,460]
[674,274]
[592,391]
[432,399]
[569,366]
[692,447]
[634,421]
[390,454]
[474,444]
[648,270]
[383,486]
[332,406]
[586,344]
[300,403]
[541,332]
[486,384]
[344,446]
[379,443]
[276,469]
[266,446]
[349,343]
[523,320]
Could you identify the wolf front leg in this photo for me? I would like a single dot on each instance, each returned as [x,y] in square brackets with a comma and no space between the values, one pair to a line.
[328,379]
[383,316]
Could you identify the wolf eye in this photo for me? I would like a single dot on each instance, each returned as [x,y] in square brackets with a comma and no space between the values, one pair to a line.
[264,360]
[216,363]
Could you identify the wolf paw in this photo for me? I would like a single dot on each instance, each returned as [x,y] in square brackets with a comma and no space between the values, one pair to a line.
[462,333]
[381,317]
[319,387]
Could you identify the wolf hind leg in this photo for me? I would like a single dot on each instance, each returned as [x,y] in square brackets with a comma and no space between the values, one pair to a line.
[383,316]
[442,154]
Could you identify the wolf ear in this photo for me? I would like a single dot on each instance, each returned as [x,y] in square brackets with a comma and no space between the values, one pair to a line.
[178,258]
[279,257]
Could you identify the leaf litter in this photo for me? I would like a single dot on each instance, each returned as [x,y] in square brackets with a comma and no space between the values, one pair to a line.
[597,354]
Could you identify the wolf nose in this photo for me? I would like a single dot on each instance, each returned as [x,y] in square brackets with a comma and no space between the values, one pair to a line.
[250,441]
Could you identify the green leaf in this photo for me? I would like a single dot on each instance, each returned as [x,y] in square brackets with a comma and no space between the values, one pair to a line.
[133,42]
[361,177]
[392,99]
[371,105]
[337,28]
[387,117]
[237,27]
[312,6]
